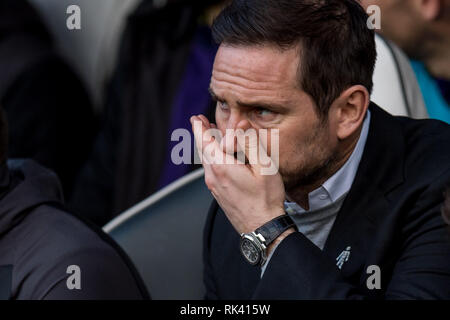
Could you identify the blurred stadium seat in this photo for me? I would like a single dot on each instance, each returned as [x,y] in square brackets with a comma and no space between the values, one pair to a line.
[163,237]
[395,85]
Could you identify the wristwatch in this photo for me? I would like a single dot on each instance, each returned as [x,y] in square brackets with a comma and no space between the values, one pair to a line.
[254,245]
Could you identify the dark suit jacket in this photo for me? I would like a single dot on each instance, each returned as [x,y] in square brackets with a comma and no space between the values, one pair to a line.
[390,218]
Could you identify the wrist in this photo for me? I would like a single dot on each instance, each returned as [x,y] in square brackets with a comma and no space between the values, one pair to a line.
[256,246]
[278,240]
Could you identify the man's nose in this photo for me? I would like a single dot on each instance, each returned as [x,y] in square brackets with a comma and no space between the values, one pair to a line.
[235,122]
[238,120]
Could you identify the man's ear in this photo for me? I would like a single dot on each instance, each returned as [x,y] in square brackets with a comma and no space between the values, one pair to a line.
[428,9]
[349,110]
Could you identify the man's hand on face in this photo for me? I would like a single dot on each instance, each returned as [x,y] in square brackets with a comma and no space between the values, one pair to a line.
[248,198]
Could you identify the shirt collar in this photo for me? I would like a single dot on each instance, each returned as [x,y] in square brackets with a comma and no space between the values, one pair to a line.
[339,183]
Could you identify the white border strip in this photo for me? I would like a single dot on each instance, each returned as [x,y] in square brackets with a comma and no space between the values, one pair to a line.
[152,199]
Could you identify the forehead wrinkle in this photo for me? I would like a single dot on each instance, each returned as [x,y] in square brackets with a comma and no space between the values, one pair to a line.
[249,74]
[254,75]
[243,63]
[245,84]
[261,64]
[254,84]
[220,85]
[245,73]
[249,95]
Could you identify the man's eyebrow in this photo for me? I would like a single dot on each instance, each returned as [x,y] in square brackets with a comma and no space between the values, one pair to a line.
[262,105]
[253,105]
[213,94]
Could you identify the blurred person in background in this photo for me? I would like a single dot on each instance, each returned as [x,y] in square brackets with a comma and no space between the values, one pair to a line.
[162,78]
[47,106]
[422,29]
[47,253]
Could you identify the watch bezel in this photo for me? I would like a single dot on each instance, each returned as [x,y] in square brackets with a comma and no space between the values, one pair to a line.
[258,243]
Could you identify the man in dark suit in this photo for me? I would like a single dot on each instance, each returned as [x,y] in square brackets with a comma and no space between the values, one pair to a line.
[353,211]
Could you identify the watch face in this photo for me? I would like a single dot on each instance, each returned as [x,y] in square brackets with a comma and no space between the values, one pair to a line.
[250,251]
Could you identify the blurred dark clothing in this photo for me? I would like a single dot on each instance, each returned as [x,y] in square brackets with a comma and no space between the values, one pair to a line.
[39,241]
[444,85]
[131,156]
[47,107]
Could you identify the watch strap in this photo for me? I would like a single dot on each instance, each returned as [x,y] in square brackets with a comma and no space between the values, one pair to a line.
[274,228]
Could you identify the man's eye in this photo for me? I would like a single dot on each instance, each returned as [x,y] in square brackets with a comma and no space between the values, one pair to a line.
[223,105]
[263,112]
